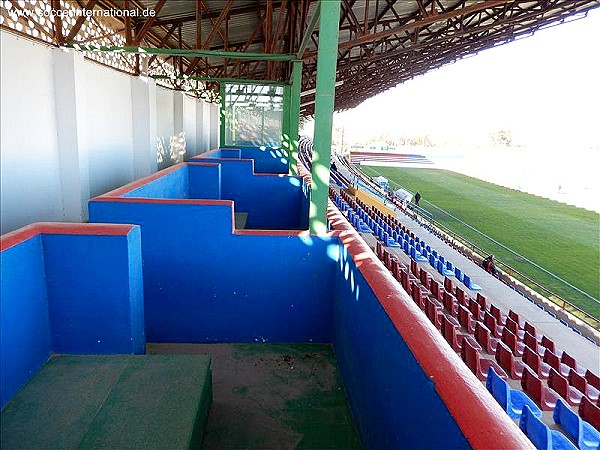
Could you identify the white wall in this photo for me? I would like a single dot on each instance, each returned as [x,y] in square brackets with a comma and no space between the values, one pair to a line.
[107,128]
[72,129]
[30,178]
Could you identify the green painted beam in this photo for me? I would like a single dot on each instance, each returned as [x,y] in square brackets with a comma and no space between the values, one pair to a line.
[309,30]
[285,128]
[220,80]
[296,89]
[324,105]
[183,52]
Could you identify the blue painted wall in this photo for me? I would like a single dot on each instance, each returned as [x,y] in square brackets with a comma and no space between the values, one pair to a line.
[204,284]
[171,185]
[95,293]
[272,202]
[266,159]
[393,402]
[25,341]
[68,294]
[207,181]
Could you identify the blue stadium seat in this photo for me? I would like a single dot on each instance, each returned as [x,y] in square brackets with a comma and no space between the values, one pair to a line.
[414,254]
[512,400]
[468,283]
[540,435]
[389,242]
[432,260]
[586,436]
[458,273]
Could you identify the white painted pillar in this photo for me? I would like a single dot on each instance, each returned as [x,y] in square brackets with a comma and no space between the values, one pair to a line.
[200,141]
[189,126]
[69,88]
[206,125]
[214,125]
[143,103]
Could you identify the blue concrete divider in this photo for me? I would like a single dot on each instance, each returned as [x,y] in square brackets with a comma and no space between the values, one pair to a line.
[205,282]
[68,288]
[272,202]
[266,159]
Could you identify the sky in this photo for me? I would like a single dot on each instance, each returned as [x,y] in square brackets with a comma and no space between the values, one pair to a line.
[544,89]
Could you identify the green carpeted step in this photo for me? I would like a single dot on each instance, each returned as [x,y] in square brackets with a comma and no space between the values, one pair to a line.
[112,402]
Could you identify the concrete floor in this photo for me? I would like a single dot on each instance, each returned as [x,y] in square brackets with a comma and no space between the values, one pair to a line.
[274,396]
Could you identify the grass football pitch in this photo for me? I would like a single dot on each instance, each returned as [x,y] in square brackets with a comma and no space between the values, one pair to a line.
[562,239]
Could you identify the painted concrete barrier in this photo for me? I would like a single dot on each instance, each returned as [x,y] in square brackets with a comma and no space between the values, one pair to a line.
[266,159]
[205,281]
[68,288]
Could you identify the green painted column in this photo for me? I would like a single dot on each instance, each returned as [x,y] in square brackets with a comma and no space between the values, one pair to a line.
[285,127]
[296,89]
[222,116]
[324,104]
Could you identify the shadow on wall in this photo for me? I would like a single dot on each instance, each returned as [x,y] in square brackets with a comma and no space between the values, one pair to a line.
[175,153]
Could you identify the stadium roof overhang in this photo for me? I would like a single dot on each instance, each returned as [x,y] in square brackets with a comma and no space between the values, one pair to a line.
[381,42]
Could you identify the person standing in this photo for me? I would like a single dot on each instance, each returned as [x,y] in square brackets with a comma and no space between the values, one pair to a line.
[417,198]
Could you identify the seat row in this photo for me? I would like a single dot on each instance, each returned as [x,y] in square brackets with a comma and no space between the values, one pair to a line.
[424,291]
[579,427]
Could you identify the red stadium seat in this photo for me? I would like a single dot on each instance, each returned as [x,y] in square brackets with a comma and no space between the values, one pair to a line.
[404,279]
[549,343]
[571,362]
[485,339]
[532,331]
[461,297]
[425,279]
[592,379]
[512,342]
[414,268]
[475,310]
[418,295]
[448,284]
[470,355]
[513,327]
[395,269]
[465,318]
[492,325]
[450,333]
[434,287]
[580,383]
[535,389]
[512,366]
[553,361]
[482,301]
[379,250]
[535,363]
[433,311]
[450,304]
[514,316]
[560,385]
[590,413]
[533,344]
[495,311]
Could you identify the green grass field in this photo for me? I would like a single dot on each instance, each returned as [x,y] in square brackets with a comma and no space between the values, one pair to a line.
[562,239]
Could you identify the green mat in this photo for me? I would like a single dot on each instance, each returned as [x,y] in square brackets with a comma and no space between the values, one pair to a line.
[112,402]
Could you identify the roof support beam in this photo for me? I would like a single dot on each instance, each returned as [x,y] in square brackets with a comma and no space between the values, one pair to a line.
[148,23]
[421,23]
[309,31]
[183,52]
[89,6]
[58,36]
